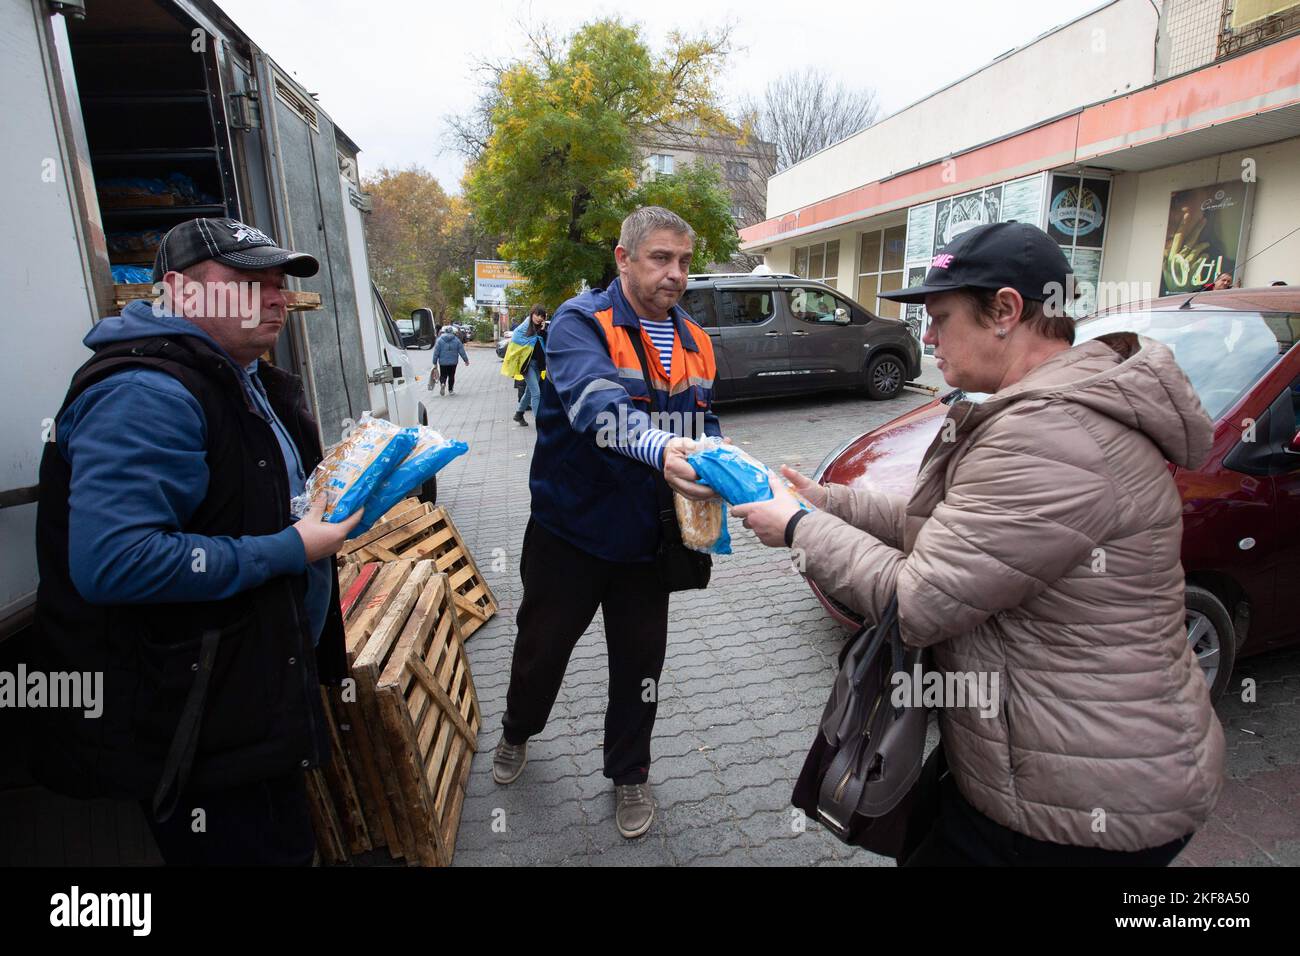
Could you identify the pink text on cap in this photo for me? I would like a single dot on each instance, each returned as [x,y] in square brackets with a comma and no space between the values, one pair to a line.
[942,261]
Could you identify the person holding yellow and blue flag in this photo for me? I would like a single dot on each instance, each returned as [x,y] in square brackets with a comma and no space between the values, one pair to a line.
[526,357]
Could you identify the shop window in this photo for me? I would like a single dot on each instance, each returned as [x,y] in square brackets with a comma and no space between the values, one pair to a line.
[880,269]
[820,262]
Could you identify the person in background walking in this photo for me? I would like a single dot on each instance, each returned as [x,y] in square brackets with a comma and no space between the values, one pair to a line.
[446,351]
[531,332]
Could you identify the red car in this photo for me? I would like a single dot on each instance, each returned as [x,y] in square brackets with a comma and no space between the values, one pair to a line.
[1241,509]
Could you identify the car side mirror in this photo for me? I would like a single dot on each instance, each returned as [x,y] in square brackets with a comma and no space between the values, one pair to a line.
[422,320]
[1293,446]
[842,317]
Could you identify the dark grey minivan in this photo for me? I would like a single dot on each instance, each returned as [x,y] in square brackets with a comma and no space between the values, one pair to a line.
[779,335]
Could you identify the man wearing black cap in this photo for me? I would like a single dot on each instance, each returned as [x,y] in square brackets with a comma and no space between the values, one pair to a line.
[170,563]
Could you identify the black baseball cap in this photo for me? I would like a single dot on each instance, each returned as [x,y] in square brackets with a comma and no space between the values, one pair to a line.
[998,255]
[231,242]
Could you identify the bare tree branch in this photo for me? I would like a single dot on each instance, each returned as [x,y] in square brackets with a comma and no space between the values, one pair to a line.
[806,111]
[799,113]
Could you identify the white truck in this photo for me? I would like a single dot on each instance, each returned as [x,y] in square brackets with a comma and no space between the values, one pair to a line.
[170,92]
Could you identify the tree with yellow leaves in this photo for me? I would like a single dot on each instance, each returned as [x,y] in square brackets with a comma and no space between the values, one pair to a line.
[555,164]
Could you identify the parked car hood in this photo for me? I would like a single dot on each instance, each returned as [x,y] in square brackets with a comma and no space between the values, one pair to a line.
[1128,377]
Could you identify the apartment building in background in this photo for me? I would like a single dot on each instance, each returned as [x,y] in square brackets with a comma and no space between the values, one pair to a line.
[745,165]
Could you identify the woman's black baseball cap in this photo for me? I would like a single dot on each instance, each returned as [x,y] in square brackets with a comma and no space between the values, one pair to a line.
[998,255]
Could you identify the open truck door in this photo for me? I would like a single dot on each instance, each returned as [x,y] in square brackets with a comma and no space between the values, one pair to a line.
[301,151]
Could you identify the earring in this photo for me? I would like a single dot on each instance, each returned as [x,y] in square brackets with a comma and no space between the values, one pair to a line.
[1002,333]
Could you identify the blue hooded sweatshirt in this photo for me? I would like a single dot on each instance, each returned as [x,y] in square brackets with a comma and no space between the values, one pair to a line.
[136,442]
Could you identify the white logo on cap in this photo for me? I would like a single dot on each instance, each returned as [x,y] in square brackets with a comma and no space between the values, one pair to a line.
[246,233]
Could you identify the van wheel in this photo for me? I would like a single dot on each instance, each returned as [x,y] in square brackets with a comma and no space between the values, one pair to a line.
[884,377]
[429,491]
[1212,636]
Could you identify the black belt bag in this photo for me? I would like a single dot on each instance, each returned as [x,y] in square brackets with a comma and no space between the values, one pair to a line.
[679,567]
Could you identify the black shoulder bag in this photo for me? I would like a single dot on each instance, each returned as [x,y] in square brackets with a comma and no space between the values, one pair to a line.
[863,778]
[680,568]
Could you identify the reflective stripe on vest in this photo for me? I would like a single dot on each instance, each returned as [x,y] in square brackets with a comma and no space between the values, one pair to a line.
[689,368]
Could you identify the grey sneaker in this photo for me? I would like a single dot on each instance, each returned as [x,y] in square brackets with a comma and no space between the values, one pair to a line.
[508,761]
[635,811]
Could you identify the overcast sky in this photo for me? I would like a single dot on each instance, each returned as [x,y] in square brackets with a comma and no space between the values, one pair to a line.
[389,71]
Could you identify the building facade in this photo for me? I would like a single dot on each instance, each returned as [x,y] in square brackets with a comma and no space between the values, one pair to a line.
[1158,149]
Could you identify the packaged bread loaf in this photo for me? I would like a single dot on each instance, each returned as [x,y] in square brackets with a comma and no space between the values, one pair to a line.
[702,523]
[355,466]
[432,450]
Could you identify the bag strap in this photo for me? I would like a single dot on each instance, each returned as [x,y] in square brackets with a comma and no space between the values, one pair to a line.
[638,346]
[185,742]
[667,511]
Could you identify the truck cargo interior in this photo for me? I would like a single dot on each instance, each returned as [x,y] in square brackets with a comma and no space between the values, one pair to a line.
[147,108]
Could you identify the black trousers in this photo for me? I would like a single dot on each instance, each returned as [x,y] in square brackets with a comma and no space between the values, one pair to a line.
[447,375]
[563,587]
[962,836]
[267,823]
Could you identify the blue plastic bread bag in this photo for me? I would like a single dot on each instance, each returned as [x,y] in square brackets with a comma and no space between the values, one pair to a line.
[355,467]
[737,477]
[431,452]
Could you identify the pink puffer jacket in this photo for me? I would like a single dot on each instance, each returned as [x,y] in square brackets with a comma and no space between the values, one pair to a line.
[1041,542]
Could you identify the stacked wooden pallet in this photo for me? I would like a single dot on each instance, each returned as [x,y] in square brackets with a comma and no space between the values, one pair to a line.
[417,530]
[404,727]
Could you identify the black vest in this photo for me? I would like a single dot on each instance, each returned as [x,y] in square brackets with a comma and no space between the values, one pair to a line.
[260,710]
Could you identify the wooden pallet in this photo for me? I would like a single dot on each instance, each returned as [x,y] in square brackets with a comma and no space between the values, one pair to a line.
[415,670]
[432,535]
[404,728]
[324,819]
[400,514]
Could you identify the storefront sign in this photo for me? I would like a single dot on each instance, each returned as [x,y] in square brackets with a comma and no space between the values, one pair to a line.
[1076,213]
[1204,235]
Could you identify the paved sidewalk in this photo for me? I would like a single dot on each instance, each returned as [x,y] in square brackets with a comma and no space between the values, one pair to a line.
[749,664]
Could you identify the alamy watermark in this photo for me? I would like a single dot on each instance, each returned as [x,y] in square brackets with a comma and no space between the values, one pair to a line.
[61,690]
[128,910]
[613,429]
[1081,297]
[959,689]
[240,300]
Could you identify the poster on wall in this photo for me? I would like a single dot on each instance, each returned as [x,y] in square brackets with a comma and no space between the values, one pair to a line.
[920,233]
[1076,212]
[1086,265]
[914,315]
[1022,200]
[957,215]
[1204,235]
